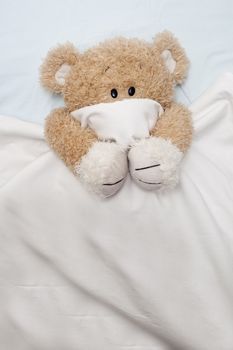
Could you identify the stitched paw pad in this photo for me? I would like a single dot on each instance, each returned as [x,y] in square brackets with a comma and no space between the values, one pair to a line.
[154,163]
[103,169]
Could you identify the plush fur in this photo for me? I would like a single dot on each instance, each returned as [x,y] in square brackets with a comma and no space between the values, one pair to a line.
[115,64]
[67,138]
[175,125]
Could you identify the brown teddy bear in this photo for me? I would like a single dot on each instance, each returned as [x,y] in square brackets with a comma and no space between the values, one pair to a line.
[119,112]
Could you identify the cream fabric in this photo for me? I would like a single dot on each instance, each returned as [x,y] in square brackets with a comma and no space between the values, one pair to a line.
[124,121]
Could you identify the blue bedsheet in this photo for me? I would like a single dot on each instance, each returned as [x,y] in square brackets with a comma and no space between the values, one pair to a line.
[29,28]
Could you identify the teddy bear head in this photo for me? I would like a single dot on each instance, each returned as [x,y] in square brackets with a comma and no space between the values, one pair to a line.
[115,70]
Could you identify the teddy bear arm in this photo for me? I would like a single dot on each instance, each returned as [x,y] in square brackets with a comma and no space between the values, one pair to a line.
[175,124]
[66,137]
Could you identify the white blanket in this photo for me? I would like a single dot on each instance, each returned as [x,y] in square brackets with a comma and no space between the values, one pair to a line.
[138,271]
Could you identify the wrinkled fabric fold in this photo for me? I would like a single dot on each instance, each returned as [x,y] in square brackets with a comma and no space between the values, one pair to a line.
[140,270]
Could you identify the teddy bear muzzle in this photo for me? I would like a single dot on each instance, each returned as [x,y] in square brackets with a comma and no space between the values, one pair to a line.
[118,125]
[123,121]
[153,162]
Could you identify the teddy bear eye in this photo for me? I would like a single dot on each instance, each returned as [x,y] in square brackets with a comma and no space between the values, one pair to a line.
[114,93]
[131,91]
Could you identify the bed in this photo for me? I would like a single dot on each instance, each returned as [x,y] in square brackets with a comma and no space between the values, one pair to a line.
[129,278]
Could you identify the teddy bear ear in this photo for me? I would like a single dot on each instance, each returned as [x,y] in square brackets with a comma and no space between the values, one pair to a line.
[57,66]
[173,55]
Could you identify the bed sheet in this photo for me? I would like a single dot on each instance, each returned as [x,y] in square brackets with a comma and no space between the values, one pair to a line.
[140,270]
[29,28]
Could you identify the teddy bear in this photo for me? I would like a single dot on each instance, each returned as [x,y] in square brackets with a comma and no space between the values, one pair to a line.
[120,116]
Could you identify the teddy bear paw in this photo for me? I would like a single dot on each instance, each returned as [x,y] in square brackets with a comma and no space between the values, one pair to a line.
[103,169]
[154,163]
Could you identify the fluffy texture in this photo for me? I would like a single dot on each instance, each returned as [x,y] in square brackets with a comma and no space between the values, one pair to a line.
[154,163]
[175,125]
[166,41]
[67,138]
[62,54]
[86,79]
[117,63]
[103,169]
